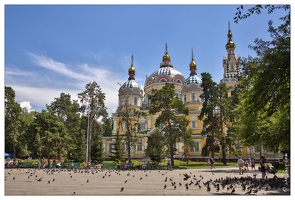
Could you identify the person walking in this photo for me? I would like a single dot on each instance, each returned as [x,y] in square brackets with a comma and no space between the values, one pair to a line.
[212,163]
[253,164]
[241,165]
[209,162]
[262,166]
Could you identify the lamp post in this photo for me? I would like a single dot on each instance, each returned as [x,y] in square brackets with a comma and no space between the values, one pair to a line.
[87,140]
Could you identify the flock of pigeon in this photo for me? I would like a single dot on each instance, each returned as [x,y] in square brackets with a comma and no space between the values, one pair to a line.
[245,184]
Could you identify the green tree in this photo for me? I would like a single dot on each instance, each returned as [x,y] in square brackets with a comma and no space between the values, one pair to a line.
[209,111]
[266,94]
[171,114]
[107,126]
[130,118]
[51,138]
[92,100]
[188,143]
[156,146]
[13,119]
[117,148]
[225,107]
[68,112]
[97,152]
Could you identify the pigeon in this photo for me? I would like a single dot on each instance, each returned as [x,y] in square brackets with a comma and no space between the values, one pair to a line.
[74,193]
[255,191]
[122,188]
[174,187]
[208,188]
[48,182]
[125,181]
[165,186]
[87,181]
[249,191]
[233,190]
[40,179]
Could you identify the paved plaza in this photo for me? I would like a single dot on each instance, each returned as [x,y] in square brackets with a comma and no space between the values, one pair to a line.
[94,182]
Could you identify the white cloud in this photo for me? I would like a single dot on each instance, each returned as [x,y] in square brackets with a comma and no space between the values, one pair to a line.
[26,104]
[40,89]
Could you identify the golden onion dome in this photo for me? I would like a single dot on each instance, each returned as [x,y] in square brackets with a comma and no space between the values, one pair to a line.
[230,44]
[131,69]
[193,64]
[166,56]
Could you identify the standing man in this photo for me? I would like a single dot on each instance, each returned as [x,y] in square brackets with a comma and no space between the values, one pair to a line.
[241,165]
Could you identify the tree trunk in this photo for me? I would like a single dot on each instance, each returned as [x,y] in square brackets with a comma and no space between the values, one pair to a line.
[171,154]
[212,144]
[128,146]
[223,149]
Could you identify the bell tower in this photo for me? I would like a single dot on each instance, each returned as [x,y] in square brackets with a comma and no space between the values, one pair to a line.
[230,62]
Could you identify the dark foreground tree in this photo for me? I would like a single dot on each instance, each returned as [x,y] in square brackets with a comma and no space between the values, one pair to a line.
[156,146]
[266,83]
[172,116]
[93,106]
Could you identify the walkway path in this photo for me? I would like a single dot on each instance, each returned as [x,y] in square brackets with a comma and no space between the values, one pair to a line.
[134,182]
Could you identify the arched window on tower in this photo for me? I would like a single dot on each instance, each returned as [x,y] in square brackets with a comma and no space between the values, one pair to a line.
[184,98]
[142,125]
[139,145]
[126,100]
[135,101]
[193,97]
[193,122]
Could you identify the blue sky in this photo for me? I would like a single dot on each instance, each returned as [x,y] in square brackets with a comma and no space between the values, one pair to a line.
[50,49]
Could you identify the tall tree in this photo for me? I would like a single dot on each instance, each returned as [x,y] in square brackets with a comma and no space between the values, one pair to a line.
[172,115]
[267,85]
[13,118]
[97,152]
[209,110]
[68,112]
[107,126]
[92,100]
[130,118]
[51,137]
[117,148]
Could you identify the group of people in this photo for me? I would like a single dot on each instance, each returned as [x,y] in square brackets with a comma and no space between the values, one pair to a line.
[244,164]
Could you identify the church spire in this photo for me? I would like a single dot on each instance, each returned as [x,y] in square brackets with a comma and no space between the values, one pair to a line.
[166,56]
[131,70]
[193,65]
[230,44]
